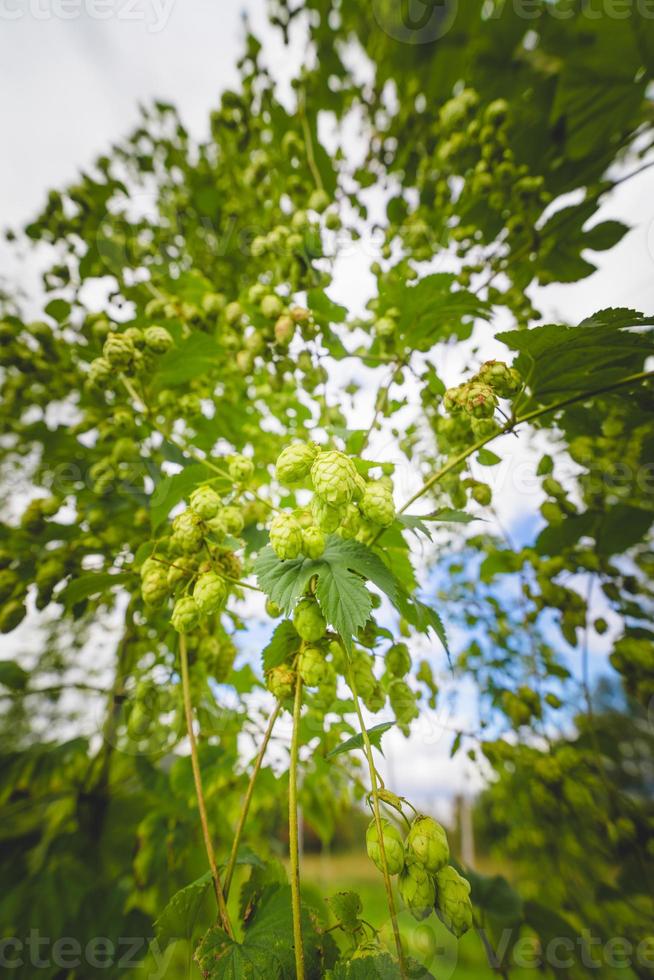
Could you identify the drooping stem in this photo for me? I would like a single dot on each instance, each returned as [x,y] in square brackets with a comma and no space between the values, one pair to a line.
[293,835]
[231,864]
[378,823]
[199,792]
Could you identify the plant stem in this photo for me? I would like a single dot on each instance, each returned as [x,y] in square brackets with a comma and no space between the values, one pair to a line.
[197,776]
[511,425]
[293,834]
[377,812]
[231,864]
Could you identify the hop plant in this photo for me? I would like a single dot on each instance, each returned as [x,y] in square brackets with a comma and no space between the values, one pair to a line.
[230,520]
[154,587]
[241,469]
[453,905]
[210,592]
[313,542]
[505,381]
[11,615]
[403,702]
[218,656]
[393,846]
[334,478]
[185,615]
[480,400]
[284,330]
[350,522]
[118,351]
[309,621]
[100,372]
[326,517]
[286,536]
[205,502]
[376,504]
[187,532]
[281,682]
[313,667]
[417,890]
[272,306]
[158,340]
[426,844]
[295,461]
[272,609]
[398,660]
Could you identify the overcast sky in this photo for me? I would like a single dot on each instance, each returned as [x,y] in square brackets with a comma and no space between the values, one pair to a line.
[71,86]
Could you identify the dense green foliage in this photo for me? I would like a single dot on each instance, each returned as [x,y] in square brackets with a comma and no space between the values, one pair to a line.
[176,410]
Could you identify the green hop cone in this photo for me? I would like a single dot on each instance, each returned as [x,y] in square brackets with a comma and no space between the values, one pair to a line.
[454,399]
[326,517]
[210,593]
[453,905]
[187,532]
[230,520]
[480,400]
[158,340]
[403,702]
[100,373]
[398,660]
[241,469]
[284,330]
[185,615]
[417,890]
[118,350]
[505,381]
[364,678]
[205,502]
[334,478]
[218,655]
[177,572]
[313,542]
[154,587]
[426,844]
[286,536]
[393,846]
[272,306]
[281,682]
[11,615]
[313,667]
[350,522]
[309,621]
[295,461]
[376,504]
[272,609]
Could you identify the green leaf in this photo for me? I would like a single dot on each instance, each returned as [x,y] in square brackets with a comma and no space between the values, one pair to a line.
[283,643]
[191,358]
[58,309]
[377,966]
[495,896]
[13,676]
[346,908]
[432,309]
[344,598]
[487,458]
[89,585]
[283,581]
[356,741]
[178,919]
[361,559]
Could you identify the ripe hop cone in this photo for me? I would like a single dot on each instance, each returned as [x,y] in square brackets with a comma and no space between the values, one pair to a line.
[393,846]
[426,844]
[453,905]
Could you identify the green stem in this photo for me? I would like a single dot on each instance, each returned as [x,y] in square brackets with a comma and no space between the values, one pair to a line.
[380,834]
[511,425]
[293,834]
[231,864]
[311,159]
[199,792]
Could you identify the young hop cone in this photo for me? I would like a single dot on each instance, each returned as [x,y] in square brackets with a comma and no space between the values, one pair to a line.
[185,615]
[505,381]
[377,504]
[158,340]
[210,593]
[241,469]
[154,587]
[281,682]
[326,516]
[295,461]
[453,905]
[334,478]
[187,532]
[417,890]
[426,844]
[205,502]
[313,542]
[313,667]
[309,621]
[393,846]
[286,537]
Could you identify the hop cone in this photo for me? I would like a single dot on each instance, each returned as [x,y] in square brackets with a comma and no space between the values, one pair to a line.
[118,351]
[286,536]
[230,520]
[241,469]
[417,890]
[185,615]
[334,478]
[100,371]
[309,621]
[326,516]
[500,377]
[398,660]
[426,844]
[479,400]
[158,340]
[205,502]
[281,682]
[403,702]
[154,587]
[295,461]
[453,905]
[313,667]
[313,542]
[350,523]
[210,592]
[187,532]
[393,846]
[218,656]
[377,504]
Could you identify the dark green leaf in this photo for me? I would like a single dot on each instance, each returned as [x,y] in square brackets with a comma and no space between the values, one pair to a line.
[356,741]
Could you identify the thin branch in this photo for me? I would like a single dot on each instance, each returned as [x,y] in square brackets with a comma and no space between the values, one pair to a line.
[293,836]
